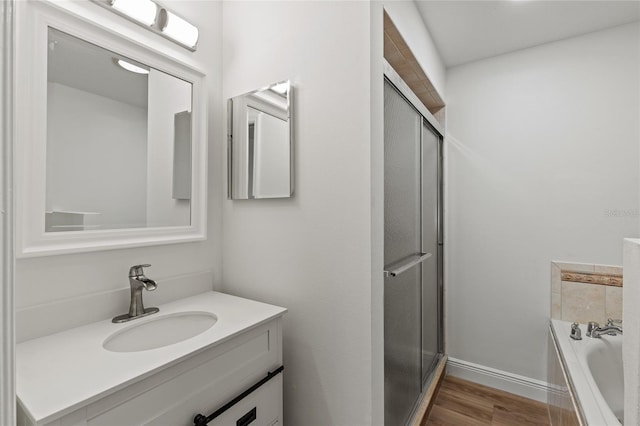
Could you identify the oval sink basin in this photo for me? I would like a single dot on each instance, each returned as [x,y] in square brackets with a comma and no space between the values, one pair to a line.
[161,331]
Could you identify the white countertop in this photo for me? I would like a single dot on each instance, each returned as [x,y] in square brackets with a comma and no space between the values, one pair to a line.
[60,373]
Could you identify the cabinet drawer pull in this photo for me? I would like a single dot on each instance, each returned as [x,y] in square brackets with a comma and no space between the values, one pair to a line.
[247,418]
[201,420]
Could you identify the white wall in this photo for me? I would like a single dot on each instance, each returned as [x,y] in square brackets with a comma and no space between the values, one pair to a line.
[167,97]
[50,280]
[376,142]
[92,132]
[407,18]
[310,253]
[542,145]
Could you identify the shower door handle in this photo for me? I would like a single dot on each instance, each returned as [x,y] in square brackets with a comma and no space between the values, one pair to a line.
[404,265]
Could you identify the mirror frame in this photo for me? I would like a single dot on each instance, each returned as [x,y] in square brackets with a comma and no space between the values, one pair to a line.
[34,18]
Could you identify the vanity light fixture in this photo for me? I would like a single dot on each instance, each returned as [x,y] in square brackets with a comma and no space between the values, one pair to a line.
[178,29]
[143,11]
[156,18]
[130,67]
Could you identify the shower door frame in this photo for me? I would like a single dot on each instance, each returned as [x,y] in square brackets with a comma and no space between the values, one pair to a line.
[427,119]
[7,319]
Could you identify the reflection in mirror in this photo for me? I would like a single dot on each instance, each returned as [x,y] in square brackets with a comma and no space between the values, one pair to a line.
[118,141]
[260,143]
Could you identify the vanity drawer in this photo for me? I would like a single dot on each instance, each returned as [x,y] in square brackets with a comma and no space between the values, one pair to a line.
[202,388]
[261,408]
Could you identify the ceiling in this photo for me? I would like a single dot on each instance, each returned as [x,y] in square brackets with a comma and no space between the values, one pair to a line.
[465,31]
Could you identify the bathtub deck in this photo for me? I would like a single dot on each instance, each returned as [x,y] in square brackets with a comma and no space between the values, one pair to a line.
[463,403]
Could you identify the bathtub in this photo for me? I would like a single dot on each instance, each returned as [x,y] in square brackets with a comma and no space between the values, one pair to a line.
[592,370]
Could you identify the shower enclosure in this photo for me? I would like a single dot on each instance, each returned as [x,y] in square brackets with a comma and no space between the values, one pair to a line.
[413,242]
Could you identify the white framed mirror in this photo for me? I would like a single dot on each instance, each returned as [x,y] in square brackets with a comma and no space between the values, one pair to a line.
[260,143]
[112,135]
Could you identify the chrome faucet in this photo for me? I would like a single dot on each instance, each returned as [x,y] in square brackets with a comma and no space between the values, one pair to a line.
[576,333]
[594,329]
[138,282]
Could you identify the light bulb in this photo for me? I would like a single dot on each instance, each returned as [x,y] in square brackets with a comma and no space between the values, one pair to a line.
[180,30]
[143,11]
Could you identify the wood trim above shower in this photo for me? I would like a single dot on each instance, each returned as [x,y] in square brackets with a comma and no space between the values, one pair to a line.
[400,57]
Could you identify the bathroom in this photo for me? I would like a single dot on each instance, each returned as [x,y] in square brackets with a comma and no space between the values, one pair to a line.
[541,164]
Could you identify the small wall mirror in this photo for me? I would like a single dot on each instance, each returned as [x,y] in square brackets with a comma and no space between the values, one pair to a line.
[260,143]
[113,140]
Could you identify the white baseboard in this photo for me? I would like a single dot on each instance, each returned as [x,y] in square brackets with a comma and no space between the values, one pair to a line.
[508,382]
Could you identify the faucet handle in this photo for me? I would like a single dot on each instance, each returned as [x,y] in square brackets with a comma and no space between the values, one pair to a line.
[576,334]
[137,270]
[612,322]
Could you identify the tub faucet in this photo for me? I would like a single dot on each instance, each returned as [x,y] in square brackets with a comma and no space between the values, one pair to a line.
[594,329]
[138,282]
[576,333]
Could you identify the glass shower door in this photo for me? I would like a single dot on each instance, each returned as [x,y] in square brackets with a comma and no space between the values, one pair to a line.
[402,243]
[431,243]
[412,255]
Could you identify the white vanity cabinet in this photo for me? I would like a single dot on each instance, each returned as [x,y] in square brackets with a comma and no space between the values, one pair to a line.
[202,382]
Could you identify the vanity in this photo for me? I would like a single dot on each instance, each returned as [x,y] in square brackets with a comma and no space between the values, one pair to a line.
[198,355]
[112,124]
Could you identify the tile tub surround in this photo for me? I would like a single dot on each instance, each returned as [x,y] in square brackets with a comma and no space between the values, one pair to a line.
[582,292]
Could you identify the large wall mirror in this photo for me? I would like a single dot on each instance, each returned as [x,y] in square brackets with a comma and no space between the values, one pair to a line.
[260,142]
[114,127]
[116,142]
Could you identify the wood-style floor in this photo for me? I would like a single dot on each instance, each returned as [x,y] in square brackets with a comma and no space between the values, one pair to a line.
[463,403]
